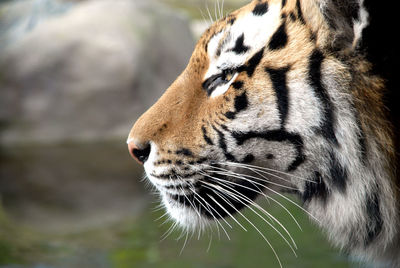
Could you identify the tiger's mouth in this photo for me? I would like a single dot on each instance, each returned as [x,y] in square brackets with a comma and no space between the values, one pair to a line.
[218,199]
[209,194]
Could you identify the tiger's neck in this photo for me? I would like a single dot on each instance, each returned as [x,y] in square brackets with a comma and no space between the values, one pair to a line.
[353,192]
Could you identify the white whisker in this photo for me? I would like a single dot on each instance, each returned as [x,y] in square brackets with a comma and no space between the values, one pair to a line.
[262,210]
[184,243]
[205,21]
[209,13]
[191,204]
[282,206]
[209,244]
[265,179]
[215,10]
[215,219]
[291,201]
[237,175]
[264,169]
[162,216]
[252,224]
[223,208]
[169,231]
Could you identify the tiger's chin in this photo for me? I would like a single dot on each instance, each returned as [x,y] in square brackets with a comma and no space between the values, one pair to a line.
[186,217]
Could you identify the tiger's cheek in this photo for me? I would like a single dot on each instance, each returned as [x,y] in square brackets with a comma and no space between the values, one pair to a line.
[252,105]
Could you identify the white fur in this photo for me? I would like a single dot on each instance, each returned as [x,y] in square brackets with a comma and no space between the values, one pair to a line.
[257,31]
[360,25]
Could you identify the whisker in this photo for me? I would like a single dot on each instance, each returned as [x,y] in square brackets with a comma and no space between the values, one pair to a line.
[260,208]
[162,216]
[235,193]
[251,223]
[264,169]
[184,243]
[158,207]
[215,10]
[209,13]
[216,220]
[203,17]
[191,204]
[212,214]
[222,9]
[237,175]
[223,208]
[218,9]
[292,202]
[209,244]
[242,186]
[164,222]
[265,179]
[169,231]
[282,206]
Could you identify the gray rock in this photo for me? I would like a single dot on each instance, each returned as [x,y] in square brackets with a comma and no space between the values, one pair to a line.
[89,73]
[18,17]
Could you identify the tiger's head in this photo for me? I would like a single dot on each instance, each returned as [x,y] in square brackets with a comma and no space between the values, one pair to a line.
[267,105]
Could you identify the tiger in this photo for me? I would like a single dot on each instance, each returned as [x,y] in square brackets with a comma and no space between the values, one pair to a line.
[279,99]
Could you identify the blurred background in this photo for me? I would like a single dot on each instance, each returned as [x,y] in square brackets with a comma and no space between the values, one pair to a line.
[74,77]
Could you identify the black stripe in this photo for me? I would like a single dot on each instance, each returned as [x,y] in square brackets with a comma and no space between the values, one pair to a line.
[283,3]
[279,136]
[230,115]
[173,174]
[260,9]
[375,221]
[241,102]
[231,20]
[315,188]
[299,12]
[292,16]
[278,78]
[300,158]
[248,159]
[315,77]
[237,85]
[338,173]
[222,145]
[252,64]
[184,151]
[205,136]
[279,38]
[240,47]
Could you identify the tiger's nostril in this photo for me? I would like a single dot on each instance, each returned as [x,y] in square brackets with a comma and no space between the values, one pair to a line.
[139,153]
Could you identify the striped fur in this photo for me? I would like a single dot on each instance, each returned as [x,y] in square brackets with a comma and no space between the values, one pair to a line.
[279,85]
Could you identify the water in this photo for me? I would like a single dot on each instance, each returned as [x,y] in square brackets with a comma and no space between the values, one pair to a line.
[84,205]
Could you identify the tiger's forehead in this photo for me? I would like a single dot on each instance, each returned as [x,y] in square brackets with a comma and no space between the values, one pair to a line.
[242,34]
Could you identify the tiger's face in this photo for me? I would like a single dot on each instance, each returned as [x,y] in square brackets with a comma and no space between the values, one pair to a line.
[249,116]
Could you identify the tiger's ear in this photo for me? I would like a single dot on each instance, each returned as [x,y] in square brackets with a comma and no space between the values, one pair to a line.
[346,20]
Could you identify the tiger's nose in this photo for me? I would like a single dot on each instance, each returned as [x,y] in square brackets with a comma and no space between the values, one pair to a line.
[139,153]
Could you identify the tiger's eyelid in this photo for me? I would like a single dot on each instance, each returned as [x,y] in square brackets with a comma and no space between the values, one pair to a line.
[209,81]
